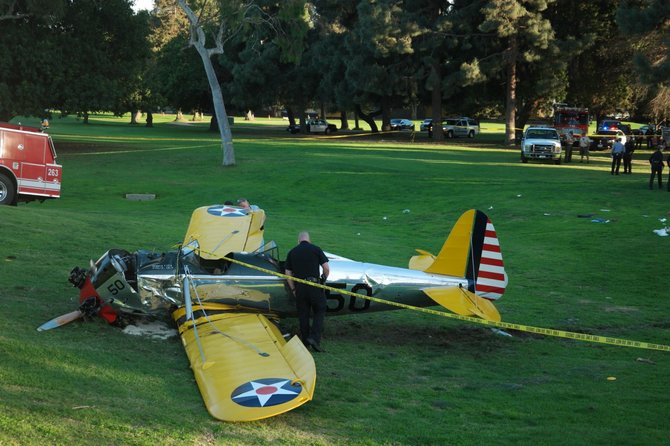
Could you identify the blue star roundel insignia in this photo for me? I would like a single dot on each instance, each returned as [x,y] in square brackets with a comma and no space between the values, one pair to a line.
[265,392]
[225,211]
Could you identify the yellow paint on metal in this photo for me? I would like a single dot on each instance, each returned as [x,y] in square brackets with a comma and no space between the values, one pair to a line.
[219,235]
[464,302]
[453,257]
[497,324]
[422,261]
[231,349]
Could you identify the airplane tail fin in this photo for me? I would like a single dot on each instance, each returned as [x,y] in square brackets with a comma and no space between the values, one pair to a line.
[471,251]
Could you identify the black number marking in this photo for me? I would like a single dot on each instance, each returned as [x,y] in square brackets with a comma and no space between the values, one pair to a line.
[357,289]
[116,287]
[336,297]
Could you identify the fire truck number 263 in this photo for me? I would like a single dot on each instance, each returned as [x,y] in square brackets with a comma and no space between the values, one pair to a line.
[28,168]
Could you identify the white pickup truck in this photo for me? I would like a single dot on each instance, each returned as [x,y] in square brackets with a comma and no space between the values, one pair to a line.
[541,143]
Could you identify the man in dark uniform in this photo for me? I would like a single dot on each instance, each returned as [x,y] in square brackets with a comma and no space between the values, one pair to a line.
[617,154]
[303,262]
[656,161]
[629,148]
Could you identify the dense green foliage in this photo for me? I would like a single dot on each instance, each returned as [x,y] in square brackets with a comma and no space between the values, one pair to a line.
[75,56]
[378,59]
[433,57]
[391,378]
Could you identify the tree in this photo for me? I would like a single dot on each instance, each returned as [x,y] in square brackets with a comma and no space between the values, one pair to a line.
[179,78]
[651,19]
[198,40]
[522,32]
[649,23]
[377,59]
[15,10]
[104,48]
[30,56]
[274,67]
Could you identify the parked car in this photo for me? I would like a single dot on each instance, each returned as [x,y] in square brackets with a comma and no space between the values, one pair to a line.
[319,126]
[426,124]
[453,127]
[402,124]
[314,126]
[541,143]
[604,140]
[608,124]
[645,130]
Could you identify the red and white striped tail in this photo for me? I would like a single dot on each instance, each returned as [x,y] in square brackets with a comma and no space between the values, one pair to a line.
[491,277]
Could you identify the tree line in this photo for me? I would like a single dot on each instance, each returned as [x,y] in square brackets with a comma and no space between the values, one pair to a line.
[374,59]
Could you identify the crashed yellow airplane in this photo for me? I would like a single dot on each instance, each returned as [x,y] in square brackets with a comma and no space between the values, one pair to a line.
[225,286]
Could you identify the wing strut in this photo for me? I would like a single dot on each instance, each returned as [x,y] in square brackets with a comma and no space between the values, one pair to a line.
[188,303]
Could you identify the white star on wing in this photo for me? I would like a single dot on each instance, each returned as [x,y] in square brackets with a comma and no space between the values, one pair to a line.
[264,398]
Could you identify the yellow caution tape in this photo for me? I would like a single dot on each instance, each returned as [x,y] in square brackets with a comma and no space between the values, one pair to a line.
[519,327]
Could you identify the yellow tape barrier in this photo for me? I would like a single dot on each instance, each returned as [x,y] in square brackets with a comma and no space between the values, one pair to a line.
[519,327]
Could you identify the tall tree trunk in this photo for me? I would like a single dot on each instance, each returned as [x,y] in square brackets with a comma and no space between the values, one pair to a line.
[150,119]
[386,115]
[436,101]
[344,122]
[369,119]
[510,107]
[198,41]
[524,113]
[290,115]
[219,108]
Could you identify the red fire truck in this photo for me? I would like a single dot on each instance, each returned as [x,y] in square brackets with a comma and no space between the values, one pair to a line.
[28,169]
[575,119]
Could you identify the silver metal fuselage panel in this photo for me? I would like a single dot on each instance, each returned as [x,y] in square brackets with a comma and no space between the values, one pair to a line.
[161,289]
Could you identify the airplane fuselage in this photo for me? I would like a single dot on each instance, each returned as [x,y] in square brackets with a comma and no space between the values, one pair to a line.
[157,283]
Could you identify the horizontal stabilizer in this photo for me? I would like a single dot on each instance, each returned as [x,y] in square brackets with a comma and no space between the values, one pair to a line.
[244,367]
[421,262]
[464,302]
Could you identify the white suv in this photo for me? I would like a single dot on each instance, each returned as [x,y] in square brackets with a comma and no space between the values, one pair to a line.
[541,143]
[453,127]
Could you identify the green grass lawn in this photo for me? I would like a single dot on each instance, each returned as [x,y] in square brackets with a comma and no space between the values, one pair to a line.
[392,378]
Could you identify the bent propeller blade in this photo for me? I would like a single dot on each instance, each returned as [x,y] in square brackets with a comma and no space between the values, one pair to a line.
[60,320]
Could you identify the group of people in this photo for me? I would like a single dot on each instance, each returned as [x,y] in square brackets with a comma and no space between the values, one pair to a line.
[584,144]
[622,152]
[308,262]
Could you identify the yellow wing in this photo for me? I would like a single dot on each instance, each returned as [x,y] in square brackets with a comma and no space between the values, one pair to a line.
[244,368]
[463,302]
[221,229]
